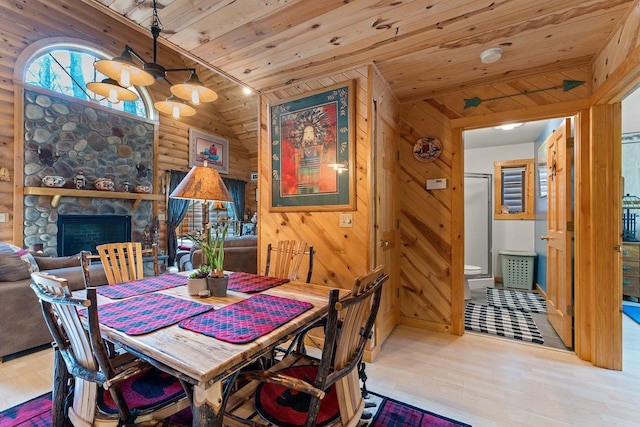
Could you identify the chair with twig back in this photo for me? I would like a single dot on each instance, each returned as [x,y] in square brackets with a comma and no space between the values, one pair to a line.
[137,392]
[302,390]
[123,262]
[285,258]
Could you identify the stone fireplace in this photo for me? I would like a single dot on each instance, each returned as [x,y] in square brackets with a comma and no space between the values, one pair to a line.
[100,143]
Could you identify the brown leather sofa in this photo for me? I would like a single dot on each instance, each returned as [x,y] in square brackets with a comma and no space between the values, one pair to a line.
[22,325]
[240,254]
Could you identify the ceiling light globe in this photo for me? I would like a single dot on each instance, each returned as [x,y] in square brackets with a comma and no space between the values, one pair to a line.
[490,56]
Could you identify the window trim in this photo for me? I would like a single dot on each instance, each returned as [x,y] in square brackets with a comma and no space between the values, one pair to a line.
[529,208]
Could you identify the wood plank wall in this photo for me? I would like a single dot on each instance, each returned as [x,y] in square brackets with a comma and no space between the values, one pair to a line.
[425,221]
[341,253]
[615,69]
[26,23]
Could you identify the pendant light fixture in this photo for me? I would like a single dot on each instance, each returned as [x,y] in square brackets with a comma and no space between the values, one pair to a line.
[176,107]
[123,72]
[110,89]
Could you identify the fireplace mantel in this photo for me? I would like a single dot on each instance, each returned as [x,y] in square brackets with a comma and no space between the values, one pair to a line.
[57,193]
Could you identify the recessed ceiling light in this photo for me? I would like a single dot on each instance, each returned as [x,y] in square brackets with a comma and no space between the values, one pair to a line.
[490,56]
[508,126]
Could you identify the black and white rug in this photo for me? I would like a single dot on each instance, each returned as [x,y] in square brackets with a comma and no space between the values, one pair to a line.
[516,300]
[503,322]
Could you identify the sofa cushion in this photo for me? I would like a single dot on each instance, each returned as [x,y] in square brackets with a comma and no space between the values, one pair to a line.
[15,263]
[75,276]
[248,240]
[51,263]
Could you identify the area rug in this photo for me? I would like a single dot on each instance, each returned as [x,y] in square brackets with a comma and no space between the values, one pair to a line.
[503,322]
[516,300]
[380,411]
[633,311]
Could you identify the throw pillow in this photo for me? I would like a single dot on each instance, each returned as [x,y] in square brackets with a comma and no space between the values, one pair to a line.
[52,263]
[15,263]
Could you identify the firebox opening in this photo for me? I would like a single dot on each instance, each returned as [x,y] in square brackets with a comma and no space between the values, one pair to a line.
[84,232]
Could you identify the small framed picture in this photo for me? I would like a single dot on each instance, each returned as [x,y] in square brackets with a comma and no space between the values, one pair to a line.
[210,149]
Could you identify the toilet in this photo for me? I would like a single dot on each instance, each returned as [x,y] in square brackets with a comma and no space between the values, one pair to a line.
[469,272]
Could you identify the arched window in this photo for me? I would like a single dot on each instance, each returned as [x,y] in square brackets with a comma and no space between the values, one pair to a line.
[67,69]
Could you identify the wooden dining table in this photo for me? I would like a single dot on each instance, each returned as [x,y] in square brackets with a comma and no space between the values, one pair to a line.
[203,361]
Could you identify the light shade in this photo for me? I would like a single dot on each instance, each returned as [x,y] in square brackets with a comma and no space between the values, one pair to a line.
[193,90]
[110,89]
[202,183]
[175,106]
[219,206]
[124,70]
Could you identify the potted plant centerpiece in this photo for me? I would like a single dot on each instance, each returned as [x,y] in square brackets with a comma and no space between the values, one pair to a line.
[197,280]
[213,253]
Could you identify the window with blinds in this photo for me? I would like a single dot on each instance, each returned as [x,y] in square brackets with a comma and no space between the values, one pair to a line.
[513,189]
[514,184]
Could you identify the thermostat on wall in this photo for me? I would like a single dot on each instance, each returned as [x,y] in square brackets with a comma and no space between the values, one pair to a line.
[437,184]
[254,176]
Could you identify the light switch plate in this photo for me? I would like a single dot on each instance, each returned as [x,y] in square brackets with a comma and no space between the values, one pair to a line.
[346,220]
[3,217]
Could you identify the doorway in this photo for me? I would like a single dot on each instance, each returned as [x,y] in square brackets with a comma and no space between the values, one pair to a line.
[483,147]
[630,218]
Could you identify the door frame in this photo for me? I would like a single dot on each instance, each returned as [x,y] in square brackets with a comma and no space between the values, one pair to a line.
[598,328]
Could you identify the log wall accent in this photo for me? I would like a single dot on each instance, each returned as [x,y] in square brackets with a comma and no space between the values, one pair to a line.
[38,21]
[341,253]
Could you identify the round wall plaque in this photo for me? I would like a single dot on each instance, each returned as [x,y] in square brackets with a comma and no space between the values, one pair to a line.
[427,149]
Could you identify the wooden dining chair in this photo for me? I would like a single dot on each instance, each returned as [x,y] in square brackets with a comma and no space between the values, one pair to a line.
[302,390]
[123,262]
[137,392]
[285,258]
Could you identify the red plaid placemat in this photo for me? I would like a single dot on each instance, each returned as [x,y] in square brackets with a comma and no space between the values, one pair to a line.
[146,313]
[249,283]
[247,320]
[142,286]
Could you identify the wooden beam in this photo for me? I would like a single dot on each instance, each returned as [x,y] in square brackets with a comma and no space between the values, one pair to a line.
[540,112]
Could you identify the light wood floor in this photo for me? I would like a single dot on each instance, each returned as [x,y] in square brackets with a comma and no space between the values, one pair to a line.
[478,379]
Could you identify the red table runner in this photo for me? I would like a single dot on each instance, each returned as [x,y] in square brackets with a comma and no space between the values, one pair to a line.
[247,320]
[249,283]
[146,313]
[142,286]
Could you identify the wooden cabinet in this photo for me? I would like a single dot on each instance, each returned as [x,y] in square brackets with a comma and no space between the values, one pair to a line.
[631,269]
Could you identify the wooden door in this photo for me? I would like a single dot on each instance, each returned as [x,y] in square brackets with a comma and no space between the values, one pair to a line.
[386,228]
[560,233]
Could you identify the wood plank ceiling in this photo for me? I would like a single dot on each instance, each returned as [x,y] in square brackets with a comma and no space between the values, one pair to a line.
[423,48]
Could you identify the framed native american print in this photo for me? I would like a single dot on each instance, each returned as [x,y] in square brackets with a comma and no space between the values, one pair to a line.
[313,151]
[212,149]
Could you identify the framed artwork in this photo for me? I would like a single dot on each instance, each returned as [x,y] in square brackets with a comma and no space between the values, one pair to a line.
[212,149]
[313,151]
